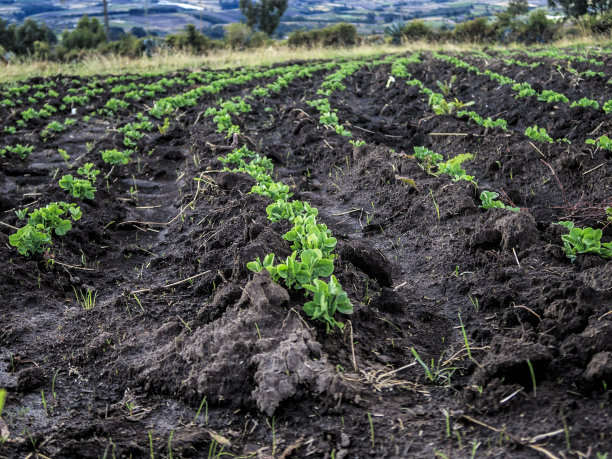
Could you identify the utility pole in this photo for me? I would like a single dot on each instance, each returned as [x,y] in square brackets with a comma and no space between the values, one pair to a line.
[106,27]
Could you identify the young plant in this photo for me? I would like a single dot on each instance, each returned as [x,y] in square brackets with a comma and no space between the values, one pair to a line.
[308,234]
[79,188]
[87,171]
[585,240]
[327,299]
[602,142]
[489,200]
[115,156]
[539,135]
[585,102]
[29,240]
[283,210]
[453,168]
[20,150]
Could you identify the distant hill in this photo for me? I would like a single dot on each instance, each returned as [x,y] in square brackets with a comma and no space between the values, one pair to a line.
[167,16]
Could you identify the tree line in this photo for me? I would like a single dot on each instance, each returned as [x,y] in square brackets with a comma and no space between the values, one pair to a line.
[262,18]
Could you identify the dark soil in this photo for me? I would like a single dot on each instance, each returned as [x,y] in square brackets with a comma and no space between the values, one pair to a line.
[179,323]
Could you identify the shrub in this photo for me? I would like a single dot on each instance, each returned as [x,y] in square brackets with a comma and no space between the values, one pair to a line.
[337,35]
[476,30]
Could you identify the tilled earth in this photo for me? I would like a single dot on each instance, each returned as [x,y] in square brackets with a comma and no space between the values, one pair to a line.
[187,354]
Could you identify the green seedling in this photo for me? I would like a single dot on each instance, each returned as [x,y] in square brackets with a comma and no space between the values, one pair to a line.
[453,168]
[274,190]
[585,102]
[2,400]
[20,150]
[427,158]
[435,373]
[552,96]
[327,299]
[602,142]
[79,188]
[115,157]
[489,200]
[29,240]
[538,134]
[21,214]
[357,143]
[65,156]
[87,171]
[584,240]
[87,300]
[283,210]
[308,234]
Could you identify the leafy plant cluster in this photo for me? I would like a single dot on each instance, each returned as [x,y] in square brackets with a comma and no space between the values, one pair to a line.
[602,142]
[328,116]
[35,236]
[538,134]
[21,151]
[133,132]
[115,157]
[333,82]
[81,188]
[489,200]
[312,243]
[586,102]
[584,240]
[433,163]
[484,122]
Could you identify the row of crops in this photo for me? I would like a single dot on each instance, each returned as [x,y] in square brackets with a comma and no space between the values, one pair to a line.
[438,222]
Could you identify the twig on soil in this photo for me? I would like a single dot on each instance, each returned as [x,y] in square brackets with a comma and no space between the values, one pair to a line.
[347,212]
[511,396]
[73,267]
[292,447]
[591,170]
[606,314]
[597,128]
[458,134]
[174,284]
[355,367]
[528,309]
[327,143]
[558,181]
[516,258]
[9,226]
[379,133]
[527,443]
[537,149]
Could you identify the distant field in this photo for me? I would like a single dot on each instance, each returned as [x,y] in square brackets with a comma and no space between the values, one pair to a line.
[166,16]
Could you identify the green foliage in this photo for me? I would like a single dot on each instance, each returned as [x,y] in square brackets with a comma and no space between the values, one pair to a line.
[453,168]
[29,240]
[339,35]
[189,39]
[585,102]
[552,96]
[79,188]
[115,156]
[489,200]
[36,235]
[427,158]
[538,134]
[585,240]
[88,34]
[19,150]
[327,299]
[607,107]
[523,90]
[602,142]
[263,15]
[283,210]
[308,234]
[49,218]
[274,190]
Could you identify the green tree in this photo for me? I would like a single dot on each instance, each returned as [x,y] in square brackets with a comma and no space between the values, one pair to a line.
[27,34]
[87,35]
[263,15]
[517,7]
[579,7]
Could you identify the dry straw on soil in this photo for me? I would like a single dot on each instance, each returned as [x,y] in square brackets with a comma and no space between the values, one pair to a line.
[168,61]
